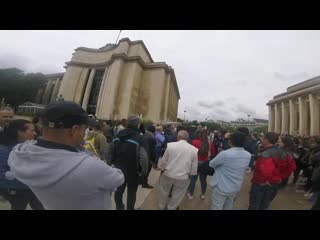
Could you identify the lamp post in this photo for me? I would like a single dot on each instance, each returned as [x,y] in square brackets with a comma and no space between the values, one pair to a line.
[184,117]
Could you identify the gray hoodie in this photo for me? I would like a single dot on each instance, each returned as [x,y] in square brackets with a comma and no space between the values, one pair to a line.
[63,179]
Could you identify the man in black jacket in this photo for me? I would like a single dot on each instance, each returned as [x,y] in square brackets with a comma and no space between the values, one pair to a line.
[150,146]
[127,152]
[315,161]
[250,146]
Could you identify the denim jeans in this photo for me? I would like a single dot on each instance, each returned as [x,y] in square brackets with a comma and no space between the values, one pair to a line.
[262,195]
[193,180]
[222,200]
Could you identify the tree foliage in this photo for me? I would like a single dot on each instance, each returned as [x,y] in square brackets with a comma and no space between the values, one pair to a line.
[262,129]
[146,122]
[18,87]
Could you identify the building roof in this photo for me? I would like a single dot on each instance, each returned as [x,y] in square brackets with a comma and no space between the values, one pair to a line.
[31,104]
[54,75]
[125,57]
[242,122]
[302,88]
[260,120]
[111,46]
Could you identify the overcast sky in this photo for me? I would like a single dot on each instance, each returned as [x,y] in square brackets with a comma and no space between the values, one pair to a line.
[222,75]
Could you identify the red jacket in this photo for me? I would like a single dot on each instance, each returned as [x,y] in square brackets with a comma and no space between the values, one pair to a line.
[197,143]
[273,165]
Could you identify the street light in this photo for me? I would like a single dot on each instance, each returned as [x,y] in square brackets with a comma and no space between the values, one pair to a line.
[184,118]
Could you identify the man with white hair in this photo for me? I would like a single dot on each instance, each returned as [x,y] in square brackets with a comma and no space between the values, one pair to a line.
[177,164]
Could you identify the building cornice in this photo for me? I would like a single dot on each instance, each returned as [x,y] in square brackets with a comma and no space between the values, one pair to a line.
[126,58]
[295,94]
[54,75]
[304,84]
[116,46]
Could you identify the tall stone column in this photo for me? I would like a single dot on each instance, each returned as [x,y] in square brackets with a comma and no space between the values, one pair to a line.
[88,90]
[277,117]
[302,117]
[293,118]
[284,119]
[314,115]
[109,93]
[271,122]
[46,95]
[55,90]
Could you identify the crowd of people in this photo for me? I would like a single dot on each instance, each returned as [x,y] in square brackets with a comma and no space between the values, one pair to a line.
[67,159]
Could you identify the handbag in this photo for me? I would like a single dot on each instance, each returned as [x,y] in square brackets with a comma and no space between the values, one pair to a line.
[205,169]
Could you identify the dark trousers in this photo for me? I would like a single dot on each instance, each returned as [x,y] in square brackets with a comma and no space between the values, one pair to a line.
[296,174]
[316,205]
[252,161]
[131,196]
[261,196]
[283,183]
[20,198]
[145,178]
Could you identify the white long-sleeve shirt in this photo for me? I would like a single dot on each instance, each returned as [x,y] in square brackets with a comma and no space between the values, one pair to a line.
[180,160]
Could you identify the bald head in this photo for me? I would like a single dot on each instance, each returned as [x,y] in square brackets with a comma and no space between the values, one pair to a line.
[182,135]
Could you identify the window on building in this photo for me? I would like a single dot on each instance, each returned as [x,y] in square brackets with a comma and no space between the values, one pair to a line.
[94,94]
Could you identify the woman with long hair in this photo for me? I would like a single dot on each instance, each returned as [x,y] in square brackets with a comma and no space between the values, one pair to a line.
[18,194]
[205,153]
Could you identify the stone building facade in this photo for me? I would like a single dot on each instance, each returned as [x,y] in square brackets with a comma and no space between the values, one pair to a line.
[296,112]
[118,80]
[50,92]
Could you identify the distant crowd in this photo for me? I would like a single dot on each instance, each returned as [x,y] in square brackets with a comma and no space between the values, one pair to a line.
[67,159]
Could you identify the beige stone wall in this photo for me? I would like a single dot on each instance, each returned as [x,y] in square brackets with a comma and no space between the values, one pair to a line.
[80,88]
[138,50]
[109,94]
[140,93]
[70,81]
[129,86]
[173,102]
[99,57]
[155,79]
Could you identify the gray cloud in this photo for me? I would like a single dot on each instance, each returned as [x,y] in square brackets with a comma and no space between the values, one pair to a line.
[8,60]
[239,108]
[211,105]
[212,84]
[231,99]
[291,77]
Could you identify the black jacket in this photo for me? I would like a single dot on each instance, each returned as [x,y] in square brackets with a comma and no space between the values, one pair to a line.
[315,162]
[124,155]
[150,145]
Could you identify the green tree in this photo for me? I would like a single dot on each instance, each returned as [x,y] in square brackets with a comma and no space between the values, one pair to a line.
[146,122]
[179,120]
[194,122]
[212,126]
[261,129]
[18,87]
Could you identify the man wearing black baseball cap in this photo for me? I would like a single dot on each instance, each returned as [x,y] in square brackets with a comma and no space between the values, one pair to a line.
[60,175]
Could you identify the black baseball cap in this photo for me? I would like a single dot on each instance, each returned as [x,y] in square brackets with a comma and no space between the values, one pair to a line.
[63,115]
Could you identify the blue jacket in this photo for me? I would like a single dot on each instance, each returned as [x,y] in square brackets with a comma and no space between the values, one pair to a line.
[230,166]
[4,167]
